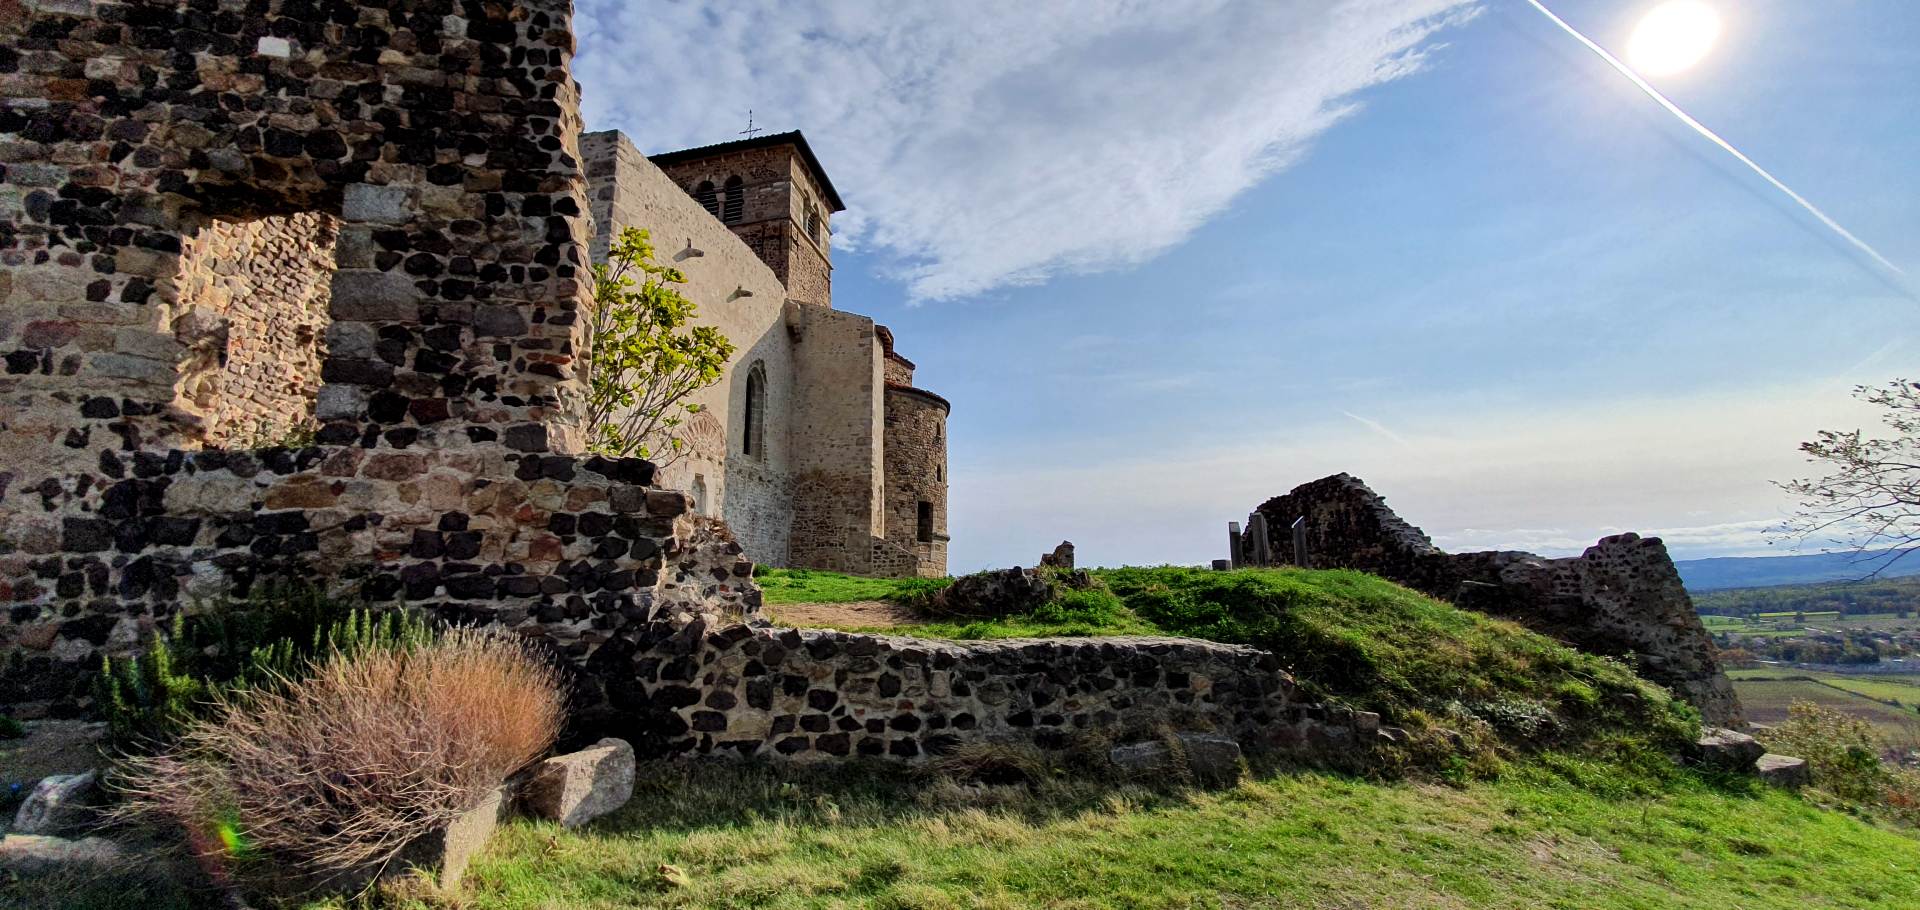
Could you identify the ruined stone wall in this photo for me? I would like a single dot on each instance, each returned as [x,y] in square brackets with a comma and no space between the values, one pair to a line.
[443,137]
[745,690]
[1621,597]
[752,491]
[253,321]
[916,460]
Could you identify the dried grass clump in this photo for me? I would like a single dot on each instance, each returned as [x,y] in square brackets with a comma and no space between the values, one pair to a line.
[339,770]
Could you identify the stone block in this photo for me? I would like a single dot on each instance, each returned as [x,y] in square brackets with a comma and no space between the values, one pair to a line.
[579,787]
[1210,758]
[1727,750]
[39,854]
[1783,771]
[59,804]
[380,204]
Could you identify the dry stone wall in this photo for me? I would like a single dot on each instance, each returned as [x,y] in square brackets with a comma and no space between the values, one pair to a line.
[1621,597]
[746,690]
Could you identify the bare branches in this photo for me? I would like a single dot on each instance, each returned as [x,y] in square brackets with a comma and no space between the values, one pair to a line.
[1870,498]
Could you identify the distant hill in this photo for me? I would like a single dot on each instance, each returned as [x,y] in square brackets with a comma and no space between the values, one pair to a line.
[1763,571]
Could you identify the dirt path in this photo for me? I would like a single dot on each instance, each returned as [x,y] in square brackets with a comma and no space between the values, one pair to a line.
[859,614]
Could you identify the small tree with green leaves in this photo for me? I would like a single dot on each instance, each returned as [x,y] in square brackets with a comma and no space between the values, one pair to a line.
[645,359]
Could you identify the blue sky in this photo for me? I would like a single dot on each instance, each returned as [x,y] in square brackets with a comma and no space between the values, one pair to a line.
[1170,259]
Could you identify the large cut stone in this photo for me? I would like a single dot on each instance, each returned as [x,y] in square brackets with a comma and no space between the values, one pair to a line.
[1783,771]
[1211,759]
[579,787]
[442,855]
[1727,750]
[58,804]
[38,853]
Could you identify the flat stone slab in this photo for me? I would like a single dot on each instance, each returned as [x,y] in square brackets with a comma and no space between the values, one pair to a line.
[1209,758]
[578,787]
[34,854]
[1783,771]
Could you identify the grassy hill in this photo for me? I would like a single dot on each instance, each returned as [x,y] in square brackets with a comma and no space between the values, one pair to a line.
[1536,777]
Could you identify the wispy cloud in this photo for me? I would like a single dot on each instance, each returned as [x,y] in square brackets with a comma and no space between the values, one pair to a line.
[999,143]
[1378,427]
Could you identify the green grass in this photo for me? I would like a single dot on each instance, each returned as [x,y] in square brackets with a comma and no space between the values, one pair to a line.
[1556,833]
[791,586]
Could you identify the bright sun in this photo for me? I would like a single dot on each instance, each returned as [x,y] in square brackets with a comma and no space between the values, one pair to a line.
[1672,37]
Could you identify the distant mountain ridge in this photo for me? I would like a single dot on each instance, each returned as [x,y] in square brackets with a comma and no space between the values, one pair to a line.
[1721,572]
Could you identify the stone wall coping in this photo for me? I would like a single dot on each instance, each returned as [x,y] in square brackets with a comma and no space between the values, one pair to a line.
[1152,644]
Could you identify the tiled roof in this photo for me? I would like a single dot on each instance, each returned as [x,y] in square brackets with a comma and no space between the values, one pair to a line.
[793,138]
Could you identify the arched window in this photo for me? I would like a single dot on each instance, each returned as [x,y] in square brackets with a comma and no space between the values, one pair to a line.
[813,222]
[708,199]
[925,529]
[753,438]
[733,203]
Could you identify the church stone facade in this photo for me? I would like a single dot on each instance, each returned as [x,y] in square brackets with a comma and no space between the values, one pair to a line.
[816,448]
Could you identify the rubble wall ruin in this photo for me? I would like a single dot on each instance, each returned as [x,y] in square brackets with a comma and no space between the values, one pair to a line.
[1621,597]
[376,215]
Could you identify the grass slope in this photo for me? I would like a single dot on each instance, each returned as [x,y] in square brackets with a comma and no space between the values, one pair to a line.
[740,836]
[789,586]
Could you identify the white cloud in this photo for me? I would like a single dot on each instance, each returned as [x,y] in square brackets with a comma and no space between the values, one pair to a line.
[998,143]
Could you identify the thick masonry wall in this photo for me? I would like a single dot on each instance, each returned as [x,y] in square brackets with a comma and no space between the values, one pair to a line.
[742,690]
[1621,597]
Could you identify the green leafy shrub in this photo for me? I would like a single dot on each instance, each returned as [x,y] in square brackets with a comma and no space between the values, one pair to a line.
[11,728]
[1843,753]
[276,635]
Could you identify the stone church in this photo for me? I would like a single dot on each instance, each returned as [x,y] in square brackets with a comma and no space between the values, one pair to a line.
[817,447]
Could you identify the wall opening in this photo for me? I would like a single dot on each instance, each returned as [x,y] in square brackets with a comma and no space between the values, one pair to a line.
[734,204]
[925,529]
[753,435]
[707,197]
[251,319]
[700,495]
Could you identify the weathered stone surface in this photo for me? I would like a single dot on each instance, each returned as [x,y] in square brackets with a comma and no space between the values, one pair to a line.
[1727,750]
[1783,771]
[59,804]
[1209,758]
[578,787]
[441,855]
[1622,596]
[999,592]
[38,854]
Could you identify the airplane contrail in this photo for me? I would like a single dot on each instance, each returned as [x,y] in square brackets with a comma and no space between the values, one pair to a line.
[1711,136]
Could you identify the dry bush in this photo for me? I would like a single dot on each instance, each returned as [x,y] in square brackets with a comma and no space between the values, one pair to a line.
[1843,752]
[337,772]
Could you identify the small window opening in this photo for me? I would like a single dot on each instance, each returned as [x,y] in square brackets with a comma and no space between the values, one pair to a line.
[753,438]
[708,199]
[926,522]
[734,202]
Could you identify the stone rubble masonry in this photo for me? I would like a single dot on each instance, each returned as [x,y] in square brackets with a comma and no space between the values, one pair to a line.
[1622,597]
[253,321]
[740,689]
[176,181]
[145,145]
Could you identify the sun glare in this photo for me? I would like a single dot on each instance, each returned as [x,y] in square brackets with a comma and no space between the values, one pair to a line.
[1673,37]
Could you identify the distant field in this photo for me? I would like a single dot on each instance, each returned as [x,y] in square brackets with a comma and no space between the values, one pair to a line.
[1784,623]
[1887,701]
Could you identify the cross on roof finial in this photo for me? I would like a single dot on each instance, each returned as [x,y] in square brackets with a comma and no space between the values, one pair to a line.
[751,129]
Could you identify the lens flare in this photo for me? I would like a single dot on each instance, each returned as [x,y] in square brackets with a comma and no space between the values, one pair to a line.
[1672,37]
